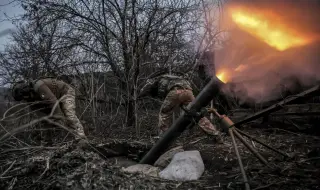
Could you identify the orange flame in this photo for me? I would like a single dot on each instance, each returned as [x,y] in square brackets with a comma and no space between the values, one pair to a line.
[223,75]
[268,28]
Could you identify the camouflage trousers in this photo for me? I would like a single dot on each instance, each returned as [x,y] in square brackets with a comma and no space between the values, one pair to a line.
[68,106]
[175,98]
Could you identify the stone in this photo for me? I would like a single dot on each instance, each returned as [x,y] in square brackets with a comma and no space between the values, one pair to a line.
[185,166]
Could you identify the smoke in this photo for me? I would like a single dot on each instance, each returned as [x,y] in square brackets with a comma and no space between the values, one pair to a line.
[5,32]
[262,73]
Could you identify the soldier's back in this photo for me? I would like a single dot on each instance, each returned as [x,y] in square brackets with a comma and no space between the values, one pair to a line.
[167,82]
[57,87]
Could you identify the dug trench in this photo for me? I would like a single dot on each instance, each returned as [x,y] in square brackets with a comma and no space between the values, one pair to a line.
[98,165]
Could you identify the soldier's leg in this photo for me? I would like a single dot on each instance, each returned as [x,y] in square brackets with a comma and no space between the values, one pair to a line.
[69,109]
[47,129]
[167,107]
[185,97]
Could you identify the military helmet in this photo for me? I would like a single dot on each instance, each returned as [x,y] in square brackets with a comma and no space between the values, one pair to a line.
[21,90]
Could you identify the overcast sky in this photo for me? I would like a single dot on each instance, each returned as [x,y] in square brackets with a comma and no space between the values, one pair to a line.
[11,9]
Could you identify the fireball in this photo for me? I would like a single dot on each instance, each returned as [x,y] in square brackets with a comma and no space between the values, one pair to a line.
[268,28]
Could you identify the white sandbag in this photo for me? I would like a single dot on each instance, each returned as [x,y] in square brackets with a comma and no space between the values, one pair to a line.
[165,159]
[143,169]
[184,166]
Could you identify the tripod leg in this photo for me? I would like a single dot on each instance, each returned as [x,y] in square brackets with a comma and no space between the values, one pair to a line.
[254,151]
[245,179]
[262,143]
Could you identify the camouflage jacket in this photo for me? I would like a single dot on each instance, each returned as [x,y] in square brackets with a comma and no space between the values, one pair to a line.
[161,85]
[48,91]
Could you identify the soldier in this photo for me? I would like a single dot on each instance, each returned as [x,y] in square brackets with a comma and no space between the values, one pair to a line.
[46,92]
[175,91]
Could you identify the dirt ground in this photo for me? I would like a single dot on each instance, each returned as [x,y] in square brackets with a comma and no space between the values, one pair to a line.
[98,165]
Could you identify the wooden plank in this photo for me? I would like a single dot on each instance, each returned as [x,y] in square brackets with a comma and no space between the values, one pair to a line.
[299,109]
[280,105]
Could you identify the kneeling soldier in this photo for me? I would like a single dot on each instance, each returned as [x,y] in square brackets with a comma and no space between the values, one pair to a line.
[175,91]
[47,92]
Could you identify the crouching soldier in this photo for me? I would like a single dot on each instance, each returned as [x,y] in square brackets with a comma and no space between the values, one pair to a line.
[46,92]
[175,91]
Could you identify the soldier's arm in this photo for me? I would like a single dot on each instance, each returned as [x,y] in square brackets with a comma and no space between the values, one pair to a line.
[47,96]
[146,89]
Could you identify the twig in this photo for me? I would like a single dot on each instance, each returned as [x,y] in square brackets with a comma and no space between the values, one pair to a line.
[194,142]
[16,118]
[13,136]
[91,101]
[21,128]
[56,105]
[5,113]
[294,124]
[310,159]
[28,148]
[47,119]
[47,168]
[266,186]
[287,131]
[8,169]
[74,133]
[12,183]
[28,105]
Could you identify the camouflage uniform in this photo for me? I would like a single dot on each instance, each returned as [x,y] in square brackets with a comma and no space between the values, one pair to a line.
[176,91]
[47,91]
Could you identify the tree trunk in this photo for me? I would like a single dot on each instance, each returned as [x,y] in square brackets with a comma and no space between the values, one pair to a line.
[130,119]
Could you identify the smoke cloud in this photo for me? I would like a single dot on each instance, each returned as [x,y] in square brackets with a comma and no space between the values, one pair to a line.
[260,72]
[5,32]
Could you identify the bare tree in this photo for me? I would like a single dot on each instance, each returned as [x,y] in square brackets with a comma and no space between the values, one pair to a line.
[129,36]
[35,53]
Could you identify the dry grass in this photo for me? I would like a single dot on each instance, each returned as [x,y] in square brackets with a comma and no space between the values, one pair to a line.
[26,164]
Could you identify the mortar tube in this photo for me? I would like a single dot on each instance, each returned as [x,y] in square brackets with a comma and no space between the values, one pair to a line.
[202,100]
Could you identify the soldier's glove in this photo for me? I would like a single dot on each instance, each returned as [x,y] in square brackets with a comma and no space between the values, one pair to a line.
[194,114]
